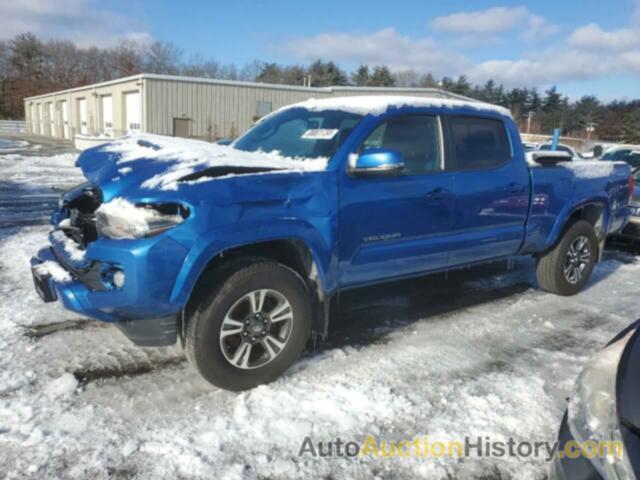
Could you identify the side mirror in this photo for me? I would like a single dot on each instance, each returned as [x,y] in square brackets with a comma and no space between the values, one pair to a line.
[225,141]
[378,162]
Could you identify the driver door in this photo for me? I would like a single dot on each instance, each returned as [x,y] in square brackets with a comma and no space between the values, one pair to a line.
[397,226]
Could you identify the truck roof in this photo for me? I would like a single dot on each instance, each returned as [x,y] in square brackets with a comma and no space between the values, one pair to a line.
[378,104]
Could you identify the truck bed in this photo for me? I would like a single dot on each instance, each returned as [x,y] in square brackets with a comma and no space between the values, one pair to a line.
[558,191]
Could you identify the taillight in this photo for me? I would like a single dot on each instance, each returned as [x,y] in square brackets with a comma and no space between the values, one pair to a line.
[632,185]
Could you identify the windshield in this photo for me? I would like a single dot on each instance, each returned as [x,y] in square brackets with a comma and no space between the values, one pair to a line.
[616,155]
[300,133]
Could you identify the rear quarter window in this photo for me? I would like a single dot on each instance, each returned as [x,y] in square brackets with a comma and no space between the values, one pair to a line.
[478,143]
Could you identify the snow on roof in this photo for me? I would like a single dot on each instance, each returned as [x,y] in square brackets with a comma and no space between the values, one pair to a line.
[188,156]
[378,104]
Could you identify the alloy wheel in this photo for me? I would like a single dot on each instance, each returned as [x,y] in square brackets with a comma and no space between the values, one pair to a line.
[256,328]
[577,259]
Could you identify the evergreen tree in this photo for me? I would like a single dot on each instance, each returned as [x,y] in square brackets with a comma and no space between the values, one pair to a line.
[631,128]
[382,77]
[270,73]
[326,74]
[462,86]
[534,101]
[361,77]
[428,81]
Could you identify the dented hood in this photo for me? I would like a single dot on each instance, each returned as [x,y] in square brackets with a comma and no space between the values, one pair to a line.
[156,163]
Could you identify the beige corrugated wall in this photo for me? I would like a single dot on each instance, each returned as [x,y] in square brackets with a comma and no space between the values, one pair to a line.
[212,109]
[215,110]
[223,110]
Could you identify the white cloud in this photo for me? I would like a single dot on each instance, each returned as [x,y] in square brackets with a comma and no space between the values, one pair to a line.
[538,27]
[558,65]
[491,21]
[588,52]
[494,21]
[592,36]
[84,21]
[385,46]
[547,68]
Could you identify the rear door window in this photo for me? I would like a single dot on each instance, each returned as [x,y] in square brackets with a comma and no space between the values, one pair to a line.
[478,143]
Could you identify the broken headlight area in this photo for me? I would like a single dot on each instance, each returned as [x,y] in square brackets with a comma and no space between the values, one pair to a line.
[120,219]
[76,214]
[85,197]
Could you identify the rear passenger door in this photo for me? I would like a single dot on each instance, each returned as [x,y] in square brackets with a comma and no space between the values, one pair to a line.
[491,190]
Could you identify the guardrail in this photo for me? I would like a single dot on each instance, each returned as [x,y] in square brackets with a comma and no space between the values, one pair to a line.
[13,126]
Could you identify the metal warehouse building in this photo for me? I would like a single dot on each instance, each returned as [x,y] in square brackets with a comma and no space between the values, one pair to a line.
[178,106]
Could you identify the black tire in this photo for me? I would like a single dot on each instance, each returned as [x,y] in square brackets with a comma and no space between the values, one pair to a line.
[217,295]
[550,269]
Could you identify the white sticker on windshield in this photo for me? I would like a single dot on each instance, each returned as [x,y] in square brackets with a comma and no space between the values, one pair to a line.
[320,134]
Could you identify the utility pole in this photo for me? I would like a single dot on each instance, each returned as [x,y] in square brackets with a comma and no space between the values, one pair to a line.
[590,128]
[530,116]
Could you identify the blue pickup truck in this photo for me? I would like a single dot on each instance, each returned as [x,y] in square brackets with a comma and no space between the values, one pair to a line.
[239,250]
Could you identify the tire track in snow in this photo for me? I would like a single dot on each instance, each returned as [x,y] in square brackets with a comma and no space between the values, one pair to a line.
[43,329]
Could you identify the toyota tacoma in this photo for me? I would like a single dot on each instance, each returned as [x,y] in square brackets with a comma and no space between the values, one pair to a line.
[239,250]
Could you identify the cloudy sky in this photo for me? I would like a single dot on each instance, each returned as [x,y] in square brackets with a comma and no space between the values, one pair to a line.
[584,47]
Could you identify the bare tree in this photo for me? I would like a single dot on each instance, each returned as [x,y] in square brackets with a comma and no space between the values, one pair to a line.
[162,57]
[127,58]
[251,71]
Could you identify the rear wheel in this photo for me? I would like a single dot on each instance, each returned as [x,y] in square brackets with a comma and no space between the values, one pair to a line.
[249,326]
[566,269]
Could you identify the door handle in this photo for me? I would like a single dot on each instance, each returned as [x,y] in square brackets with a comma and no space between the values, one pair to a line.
[514,188]
[438,194]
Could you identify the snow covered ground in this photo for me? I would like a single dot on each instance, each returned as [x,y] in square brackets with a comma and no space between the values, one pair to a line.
[477,353]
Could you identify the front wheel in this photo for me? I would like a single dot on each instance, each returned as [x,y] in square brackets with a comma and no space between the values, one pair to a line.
[250,327]
[566,269]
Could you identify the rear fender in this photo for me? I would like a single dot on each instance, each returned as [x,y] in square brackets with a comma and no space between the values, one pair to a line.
[582,211]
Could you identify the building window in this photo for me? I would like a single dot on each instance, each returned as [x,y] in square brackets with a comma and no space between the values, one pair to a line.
[263,108]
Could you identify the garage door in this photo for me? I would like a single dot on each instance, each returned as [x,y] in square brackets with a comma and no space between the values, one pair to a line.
[107,115]
[52,122]
[34,119]
[40,119]
[132,111]
[82,114]
[64,108]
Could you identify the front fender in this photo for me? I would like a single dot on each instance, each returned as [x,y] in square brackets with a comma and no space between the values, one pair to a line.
[210,246]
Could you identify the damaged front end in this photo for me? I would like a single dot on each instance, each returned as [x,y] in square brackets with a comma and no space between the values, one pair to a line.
[129,246]
[106,279]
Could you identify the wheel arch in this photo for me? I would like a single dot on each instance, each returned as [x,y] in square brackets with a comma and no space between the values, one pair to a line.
[595,212]
[293,253]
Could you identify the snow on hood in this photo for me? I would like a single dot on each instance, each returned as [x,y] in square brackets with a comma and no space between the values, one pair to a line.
[378,104]
[184,158]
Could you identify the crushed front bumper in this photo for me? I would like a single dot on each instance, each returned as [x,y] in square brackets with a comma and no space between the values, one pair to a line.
[141,308]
